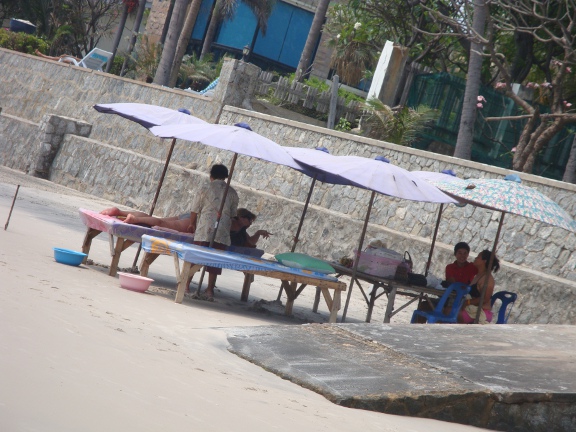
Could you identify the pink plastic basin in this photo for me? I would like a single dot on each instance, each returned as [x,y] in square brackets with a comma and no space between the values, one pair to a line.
[134,282]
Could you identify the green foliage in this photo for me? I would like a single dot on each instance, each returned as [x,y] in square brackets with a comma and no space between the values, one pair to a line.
[144,60]
[358,30]
[196,73]
[397,126]
[343,125]
[63,37]
[71,27]
[323,86]
[117,64]
[349,96]
[317,83]
[22,42]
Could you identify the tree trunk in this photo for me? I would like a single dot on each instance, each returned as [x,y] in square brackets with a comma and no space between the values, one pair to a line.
[523,58]
[212,25]
[184,39]
[167,22]
[162,76]
[522,147]
[137,22]
[465,138]
[311,41]
[544,133]
[118,37]
[570,171]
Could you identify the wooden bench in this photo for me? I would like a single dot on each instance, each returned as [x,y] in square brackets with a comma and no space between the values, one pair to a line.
[195,257]
[125,234]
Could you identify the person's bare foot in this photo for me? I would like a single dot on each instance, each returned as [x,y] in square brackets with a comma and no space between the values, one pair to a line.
[112,211]
[203,296]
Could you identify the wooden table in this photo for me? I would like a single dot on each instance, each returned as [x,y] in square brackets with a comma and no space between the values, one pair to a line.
[388,287]
[125,234]
[293,280]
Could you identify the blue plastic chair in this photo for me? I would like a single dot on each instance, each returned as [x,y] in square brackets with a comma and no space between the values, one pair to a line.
[438,315]
[507,298]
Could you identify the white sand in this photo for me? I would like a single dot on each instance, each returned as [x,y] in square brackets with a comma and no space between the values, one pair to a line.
[78,353]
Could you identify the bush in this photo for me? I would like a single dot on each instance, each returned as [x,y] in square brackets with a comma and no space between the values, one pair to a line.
[343,125]
[117,65]
[22,42]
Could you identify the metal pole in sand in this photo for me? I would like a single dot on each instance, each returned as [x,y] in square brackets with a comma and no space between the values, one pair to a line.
[13,201]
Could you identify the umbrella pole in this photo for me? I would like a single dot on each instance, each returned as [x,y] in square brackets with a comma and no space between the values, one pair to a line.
[230,172]
[489,270]
[168,157]
[434,240]
[360,244]
[297,236]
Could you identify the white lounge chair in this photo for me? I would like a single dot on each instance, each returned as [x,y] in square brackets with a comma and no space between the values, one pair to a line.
[95,59]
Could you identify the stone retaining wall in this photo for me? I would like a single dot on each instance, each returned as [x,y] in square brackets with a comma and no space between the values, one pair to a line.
[122,162]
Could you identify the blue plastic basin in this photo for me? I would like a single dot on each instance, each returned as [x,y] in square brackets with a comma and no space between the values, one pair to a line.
[69,257]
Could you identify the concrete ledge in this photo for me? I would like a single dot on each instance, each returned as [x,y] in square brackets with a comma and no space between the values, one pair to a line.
[513,378]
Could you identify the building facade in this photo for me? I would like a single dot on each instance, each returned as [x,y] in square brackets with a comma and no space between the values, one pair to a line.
[278,49]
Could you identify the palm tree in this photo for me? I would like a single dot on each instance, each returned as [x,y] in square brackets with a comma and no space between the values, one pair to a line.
[119,32]
[463,148]
[193,71]
[398,126]
[311,40]
[184,39]
[167,22]
[225,9]
[162,76]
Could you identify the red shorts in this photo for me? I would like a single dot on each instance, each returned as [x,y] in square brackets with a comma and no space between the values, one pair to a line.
[216,245]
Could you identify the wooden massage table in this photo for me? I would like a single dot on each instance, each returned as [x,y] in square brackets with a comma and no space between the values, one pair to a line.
[125,234]
[194,257]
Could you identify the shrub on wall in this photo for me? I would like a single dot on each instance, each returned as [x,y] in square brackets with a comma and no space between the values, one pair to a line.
[22,42]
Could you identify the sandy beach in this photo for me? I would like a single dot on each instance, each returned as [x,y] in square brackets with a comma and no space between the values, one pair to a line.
[79,353]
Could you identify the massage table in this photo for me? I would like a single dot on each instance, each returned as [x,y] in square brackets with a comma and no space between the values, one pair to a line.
[125,234]
[195,257]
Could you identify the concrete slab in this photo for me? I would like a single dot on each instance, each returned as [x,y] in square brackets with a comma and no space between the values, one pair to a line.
[513,377]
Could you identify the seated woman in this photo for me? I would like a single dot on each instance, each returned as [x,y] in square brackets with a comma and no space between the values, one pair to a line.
[176,223]
[468,313]
[238,234]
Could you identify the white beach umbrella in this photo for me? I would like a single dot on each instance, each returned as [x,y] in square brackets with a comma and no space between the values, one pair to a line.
[239,139]
[149,115]
[377,175]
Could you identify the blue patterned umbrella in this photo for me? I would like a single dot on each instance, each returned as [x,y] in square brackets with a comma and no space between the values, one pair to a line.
[511,196]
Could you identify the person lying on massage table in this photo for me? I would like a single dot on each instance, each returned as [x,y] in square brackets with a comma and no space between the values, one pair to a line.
[176,223]
[238,234]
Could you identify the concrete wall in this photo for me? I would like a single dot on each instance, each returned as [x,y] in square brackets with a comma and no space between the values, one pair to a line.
[122,161]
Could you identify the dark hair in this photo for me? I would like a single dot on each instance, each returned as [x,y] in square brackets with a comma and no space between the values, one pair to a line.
[485,255]
[219,172]
[244,213]
[461,245]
